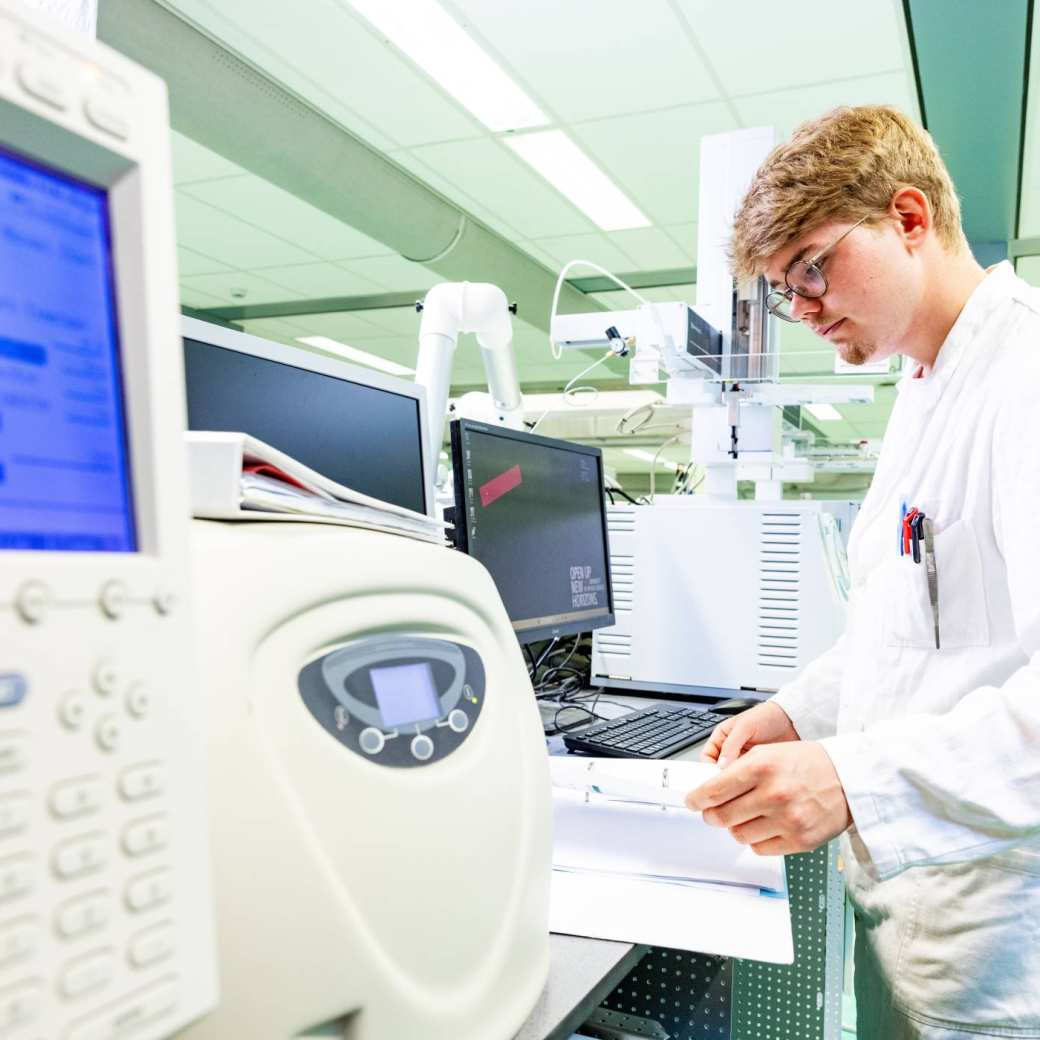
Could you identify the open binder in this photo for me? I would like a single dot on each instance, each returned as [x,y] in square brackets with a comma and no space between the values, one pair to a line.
[237,477]
[633,864]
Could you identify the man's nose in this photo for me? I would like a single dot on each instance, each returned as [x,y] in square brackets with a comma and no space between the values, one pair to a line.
[800,306]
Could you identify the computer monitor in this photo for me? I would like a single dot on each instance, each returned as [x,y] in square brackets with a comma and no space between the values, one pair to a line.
[358,427]
[532,510]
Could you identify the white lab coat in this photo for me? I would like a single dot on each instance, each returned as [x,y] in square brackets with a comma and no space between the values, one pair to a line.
[939,751]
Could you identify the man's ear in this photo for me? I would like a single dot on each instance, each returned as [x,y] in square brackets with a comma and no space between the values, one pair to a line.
[913,215]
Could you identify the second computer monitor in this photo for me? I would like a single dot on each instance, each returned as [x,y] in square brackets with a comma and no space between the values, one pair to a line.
[357,427]
[531,509]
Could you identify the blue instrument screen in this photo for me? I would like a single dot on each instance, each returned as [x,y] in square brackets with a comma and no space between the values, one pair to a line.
[64,462]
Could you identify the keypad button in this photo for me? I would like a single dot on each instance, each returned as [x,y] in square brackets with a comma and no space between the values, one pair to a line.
[20,1005]
[19,939]
[73,710]
[142,781]
[44,81]
[105,117]
[127,1016]
[148,890]
[16,876]
[108,733]
[77,797]
[164,601]
[458,720]
[15,810]
[422,747]
[84,914]
[106,677]
[32,601]
[13,688]
[139,700]
[371,740]
[148,947]
[113,599]
[145,836]
[80,856]
[14,752]
[86,973]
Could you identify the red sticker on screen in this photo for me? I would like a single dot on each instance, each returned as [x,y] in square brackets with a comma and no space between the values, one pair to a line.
[501,485]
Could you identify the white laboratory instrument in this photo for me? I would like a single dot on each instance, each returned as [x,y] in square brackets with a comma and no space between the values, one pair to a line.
[105,908]
[710,593]
[379,789]
[448,310]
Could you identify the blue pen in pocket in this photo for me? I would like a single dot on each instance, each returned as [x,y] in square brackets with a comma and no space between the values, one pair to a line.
[902,521]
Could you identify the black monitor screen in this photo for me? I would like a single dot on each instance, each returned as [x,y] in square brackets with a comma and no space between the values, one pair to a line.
[361,436]
[531,509]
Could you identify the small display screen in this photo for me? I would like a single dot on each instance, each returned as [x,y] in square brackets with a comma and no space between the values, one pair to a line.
[405,693]
[64,463]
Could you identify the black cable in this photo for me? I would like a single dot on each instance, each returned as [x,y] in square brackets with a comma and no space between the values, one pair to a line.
[625,495]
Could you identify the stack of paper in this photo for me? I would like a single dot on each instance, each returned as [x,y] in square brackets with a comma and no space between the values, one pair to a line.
[631,863]
[237,477]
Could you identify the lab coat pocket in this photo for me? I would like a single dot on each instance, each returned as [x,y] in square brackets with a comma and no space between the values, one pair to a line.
[962,599]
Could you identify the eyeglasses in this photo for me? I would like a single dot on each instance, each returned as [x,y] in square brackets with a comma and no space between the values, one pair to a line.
[804,278]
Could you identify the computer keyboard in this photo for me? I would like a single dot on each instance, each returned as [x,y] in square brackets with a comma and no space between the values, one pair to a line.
[654,732]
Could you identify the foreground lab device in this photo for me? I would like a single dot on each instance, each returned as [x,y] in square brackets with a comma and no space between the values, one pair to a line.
[720,594]
[105,905]
[379,789]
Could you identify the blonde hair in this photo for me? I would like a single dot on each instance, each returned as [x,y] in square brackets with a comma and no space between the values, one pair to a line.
[843,166]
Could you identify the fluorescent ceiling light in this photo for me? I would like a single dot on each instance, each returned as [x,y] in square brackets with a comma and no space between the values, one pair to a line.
[427,34]
[823,412]
[572,173]
[648,456]
[362,357]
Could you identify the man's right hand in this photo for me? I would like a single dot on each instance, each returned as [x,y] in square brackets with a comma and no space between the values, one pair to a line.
[766,723]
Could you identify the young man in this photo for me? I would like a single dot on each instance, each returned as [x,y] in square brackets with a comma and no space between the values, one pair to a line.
[918,734]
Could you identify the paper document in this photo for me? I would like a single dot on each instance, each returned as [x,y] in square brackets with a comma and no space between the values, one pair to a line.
[632,863]
[235,476]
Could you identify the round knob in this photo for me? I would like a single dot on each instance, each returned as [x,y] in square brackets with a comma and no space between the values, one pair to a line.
[113,598]
[422,747]
[371,741]
[458,720]
[32,601]
[106,677]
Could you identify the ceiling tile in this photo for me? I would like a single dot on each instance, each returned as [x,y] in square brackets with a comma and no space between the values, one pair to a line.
[216,234]
[193,162]
[192,297]
[599,249]
[650,248]
[655,157]
[344,326]
[489,173]
[397,321]
[828,40]
[264,205]
[394,273]
[239,288]
[315,281]
[785,109]
[334,59]
[590,58]
[189,262]
[430,177]
[685,237]
[281,330]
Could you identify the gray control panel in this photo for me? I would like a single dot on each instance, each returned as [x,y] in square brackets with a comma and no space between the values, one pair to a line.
[401,701]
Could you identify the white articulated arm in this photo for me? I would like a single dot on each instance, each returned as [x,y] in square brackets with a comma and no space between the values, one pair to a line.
[452,308]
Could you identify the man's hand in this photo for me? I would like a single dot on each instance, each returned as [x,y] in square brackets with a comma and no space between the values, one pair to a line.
[777,799]
[766,723]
